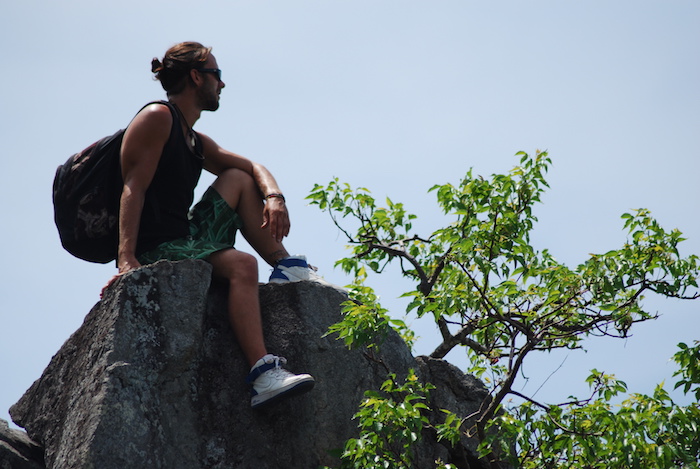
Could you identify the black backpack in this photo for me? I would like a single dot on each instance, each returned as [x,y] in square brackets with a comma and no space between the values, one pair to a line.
[86,193]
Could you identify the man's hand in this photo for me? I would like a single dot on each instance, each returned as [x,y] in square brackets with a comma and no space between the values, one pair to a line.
[276,217]
[125,265]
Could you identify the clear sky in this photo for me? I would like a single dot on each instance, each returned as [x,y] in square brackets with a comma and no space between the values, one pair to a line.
[395,96]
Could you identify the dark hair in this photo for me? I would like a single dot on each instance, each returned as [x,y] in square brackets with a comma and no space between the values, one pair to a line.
[173,71]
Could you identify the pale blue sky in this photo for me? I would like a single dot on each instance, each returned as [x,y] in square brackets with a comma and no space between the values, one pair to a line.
[395,96]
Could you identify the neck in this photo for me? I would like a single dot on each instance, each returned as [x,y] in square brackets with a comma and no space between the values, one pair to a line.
[188,109]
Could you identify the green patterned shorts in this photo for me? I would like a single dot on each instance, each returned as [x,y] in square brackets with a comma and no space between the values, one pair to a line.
[213,227]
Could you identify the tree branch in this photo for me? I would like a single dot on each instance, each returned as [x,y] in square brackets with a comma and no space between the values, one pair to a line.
[376,244]
[450,341]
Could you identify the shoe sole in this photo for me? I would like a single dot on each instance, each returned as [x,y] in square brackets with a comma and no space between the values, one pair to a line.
[279,280]
[296,389]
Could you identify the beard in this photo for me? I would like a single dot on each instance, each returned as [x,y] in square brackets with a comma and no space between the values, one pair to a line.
[208,98]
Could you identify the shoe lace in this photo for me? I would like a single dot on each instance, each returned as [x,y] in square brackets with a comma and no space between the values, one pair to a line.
[279,361]
[278,370]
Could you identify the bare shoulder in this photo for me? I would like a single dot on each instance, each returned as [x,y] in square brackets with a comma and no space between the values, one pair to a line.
[154,115]
[146,136]
[150,127]
[210,148]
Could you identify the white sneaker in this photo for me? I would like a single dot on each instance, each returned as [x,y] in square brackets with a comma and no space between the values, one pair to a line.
[294,269]
[270,381]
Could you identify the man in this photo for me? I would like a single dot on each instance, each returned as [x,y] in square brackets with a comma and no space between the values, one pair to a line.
[161,159]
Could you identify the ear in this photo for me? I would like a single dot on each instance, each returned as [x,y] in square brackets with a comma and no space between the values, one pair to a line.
[196,77]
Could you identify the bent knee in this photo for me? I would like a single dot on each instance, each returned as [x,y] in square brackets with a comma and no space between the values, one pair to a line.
[232,184]
[233,176]
[235,266]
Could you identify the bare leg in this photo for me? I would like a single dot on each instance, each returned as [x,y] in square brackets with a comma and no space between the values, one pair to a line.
[240,269]
[238,189]
[241,272]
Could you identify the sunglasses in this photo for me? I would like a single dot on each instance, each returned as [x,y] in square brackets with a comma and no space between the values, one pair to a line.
[216,71]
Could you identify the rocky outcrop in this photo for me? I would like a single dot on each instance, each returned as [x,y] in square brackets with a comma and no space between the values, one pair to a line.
[18,451]
[155,379]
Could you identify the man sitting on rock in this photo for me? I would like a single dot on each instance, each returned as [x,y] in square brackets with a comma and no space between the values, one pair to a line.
[161,160]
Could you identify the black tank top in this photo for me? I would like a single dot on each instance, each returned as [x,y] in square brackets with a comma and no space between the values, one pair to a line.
[171,193]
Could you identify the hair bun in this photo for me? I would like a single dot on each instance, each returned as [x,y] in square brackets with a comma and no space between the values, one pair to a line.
[156,65]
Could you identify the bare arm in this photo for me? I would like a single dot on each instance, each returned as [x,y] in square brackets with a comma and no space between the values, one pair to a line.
[275,214]
[141,150]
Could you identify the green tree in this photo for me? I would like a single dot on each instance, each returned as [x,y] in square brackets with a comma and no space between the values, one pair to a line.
[490,291]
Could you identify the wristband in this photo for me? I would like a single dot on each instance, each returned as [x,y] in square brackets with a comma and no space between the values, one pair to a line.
[278,196]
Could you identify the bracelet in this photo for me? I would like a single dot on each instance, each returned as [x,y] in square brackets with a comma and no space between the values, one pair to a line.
[278,196]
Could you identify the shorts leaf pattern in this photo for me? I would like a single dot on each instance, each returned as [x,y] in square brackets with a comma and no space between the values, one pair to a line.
[213,227]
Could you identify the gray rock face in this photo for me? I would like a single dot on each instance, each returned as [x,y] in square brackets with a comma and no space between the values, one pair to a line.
[154,379]
[18,451]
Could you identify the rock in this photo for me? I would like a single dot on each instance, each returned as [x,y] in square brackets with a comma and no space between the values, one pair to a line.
[154,379]
[460,393]
[18,451]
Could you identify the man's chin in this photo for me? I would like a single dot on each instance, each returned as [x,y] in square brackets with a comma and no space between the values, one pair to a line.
[212,107]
